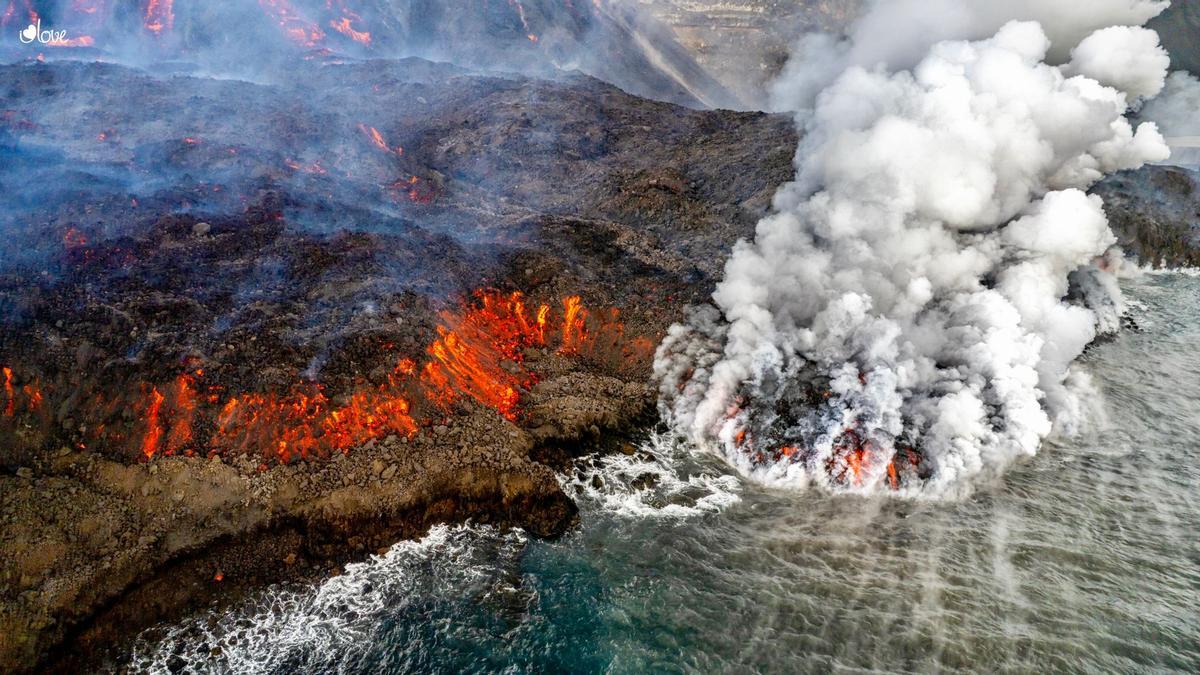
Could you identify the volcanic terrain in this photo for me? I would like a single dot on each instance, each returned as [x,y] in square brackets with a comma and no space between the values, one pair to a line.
[253,331]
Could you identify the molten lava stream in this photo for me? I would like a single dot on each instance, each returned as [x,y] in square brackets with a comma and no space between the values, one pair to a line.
[377,139]
[296,27]
[25,398]
[478,354]
[480,351]
[307,424]
[344,27]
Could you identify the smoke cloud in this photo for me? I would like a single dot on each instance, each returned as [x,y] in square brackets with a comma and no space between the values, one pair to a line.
[1175,112]
[909,314]
[262,40]
[897,34]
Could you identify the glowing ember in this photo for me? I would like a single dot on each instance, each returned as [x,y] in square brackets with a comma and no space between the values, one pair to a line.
[297,28]
[159,16]
[376,139]
[343,26]
[81,41]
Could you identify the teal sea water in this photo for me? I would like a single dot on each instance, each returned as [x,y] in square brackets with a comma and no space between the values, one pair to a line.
[1085,558]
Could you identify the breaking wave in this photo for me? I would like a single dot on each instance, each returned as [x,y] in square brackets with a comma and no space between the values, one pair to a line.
[332,627]
[658,480]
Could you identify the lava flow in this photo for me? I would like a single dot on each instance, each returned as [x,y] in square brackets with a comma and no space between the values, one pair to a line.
[377,140]
[854,461]
[296,27]
[479,354]
[159,16]
[26,398]
[343,26]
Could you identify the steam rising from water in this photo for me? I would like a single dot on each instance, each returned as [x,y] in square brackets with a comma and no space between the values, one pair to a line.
[909,315]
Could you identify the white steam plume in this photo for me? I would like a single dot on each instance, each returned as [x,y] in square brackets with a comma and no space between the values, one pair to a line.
[909,315]
[899,33]
[1176,111]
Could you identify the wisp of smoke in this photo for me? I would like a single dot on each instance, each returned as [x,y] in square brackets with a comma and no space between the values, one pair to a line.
[907,318]
[1175,112]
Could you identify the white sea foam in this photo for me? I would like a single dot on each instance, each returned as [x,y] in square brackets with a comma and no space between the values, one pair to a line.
[285,629]
[660,480]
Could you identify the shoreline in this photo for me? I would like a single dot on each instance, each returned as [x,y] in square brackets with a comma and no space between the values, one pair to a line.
[237,530]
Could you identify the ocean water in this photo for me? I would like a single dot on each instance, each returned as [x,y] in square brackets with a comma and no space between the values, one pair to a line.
[1085,558]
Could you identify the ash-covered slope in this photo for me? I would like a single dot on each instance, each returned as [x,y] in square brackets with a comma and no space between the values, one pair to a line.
[608,40]
[745,43]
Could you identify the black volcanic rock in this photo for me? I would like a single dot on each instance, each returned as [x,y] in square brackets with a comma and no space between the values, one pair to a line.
[311,233]
[1155,213]
[1178,28]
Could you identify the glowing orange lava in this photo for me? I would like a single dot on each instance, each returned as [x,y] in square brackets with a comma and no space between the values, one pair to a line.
[10,398]
[850,462]
[415,190]
[154,430]
[479,354]
[159,16]
[297,28]
[376,139]
[520,8]
[344,27]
